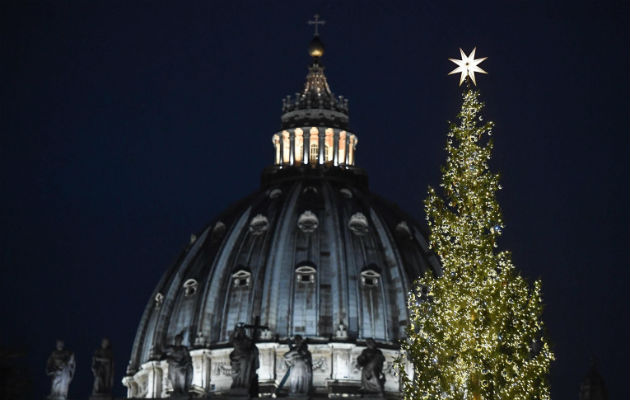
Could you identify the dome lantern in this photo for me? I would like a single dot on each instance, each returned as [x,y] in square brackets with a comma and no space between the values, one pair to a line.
[314,123]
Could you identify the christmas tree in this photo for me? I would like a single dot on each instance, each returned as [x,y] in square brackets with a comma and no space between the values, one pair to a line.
[476,331]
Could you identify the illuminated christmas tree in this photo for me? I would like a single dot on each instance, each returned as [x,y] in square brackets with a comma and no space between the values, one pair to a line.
[476,331]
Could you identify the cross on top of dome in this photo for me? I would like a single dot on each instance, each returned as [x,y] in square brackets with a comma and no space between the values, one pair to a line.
[316,48]
[317,23]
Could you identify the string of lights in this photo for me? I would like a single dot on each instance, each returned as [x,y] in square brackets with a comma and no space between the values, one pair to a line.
[476,331]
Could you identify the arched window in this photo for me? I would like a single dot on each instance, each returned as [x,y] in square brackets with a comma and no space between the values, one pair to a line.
[403,231]
[305,274]
[305,303]
[241,279]
[159,299]
[275,193]
[217,232]
[237,307]
[358,224]
[258,225]
[190,287]
[370,278]
[373,324]
[308,222]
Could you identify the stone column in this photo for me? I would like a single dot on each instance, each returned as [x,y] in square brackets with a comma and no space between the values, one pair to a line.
[292,147]
[154,377]
[267,372]
[307,147]
[131,385]
[347,155]
[342,361]
[335,147]
[322,146]
[201,371]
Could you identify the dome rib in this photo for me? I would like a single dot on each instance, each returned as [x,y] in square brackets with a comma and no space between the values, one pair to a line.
[338,273]
[213,280]
[393,262]
[270,303]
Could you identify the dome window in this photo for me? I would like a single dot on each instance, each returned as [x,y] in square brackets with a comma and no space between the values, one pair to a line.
[345,192]
[305,274]
[275,193]
[358,224]
[310,190]
[370,278]
[159,299]
[190,287]
[402,229]
[241,279]
[217,232]
[308,222]
[258,225]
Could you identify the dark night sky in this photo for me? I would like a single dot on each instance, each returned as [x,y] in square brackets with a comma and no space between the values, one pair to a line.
[125,126]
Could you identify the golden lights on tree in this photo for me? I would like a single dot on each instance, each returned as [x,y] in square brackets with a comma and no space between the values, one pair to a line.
[475,332]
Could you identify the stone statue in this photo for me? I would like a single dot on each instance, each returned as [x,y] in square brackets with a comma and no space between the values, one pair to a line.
[60,367]
[300,364]
[103,369]
[371,362]
[244,362]
[180,368]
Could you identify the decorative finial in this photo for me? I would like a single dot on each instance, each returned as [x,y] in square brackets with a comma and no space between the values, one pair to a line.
[467,66]
[316,48]
[317,22]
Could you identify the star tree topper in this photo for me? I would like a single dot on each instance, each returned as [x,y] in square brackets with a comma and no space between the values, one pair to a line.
[467,66]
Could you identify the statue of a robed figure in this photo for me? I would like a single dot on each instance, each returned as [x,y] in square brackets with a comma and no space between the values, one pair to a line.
[300,364]
[180,368]
[244,363]
[60,367]
[103,370]
[371,362]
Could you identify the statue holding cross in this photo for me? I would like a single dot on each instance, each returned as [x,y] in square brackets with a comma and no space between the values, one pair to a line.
[244,359]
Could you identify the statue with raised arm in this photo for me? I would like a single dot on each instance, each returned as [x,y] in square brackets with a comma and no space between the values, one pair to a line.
[371,362]
[244,362]
[103,369]
[180,368]
[300,364]
[60,367]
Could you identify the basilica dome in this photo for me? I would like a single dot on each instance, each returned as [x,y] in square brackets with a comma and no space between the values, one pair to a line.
[312,252]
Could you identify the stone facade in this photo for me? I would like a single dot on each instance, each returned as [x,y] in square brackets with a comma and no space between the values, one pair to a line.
[335,372]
